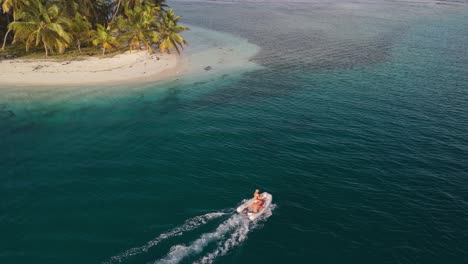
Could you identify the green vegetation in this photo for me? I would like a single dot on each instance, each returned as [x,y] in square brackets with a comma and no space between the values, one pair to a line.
[74,26]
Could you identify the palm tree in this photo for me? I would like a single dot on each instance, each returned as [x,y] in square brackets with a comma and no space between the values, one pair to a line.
[12,6]
[54,24]
[105,37]
[67,7]
[161,3]
[42,24]
[139,24]
[168,36]
[84,7]
[123,5]
[80,30]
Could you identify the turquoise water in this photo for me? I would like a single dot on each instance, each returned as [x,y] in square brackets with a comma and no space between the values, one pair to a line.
[356,123]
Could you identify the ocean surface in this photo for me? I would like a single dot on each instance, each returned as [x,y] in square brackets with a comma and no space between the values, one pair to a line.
[355,119]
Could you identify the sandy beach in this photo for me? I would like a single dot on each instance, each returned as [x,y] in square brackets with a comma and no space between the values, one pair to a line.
[210,53]
[136,66]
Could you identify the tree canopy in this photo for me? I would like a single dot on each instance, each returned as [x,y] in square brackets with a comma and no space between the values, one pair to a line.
[54,26]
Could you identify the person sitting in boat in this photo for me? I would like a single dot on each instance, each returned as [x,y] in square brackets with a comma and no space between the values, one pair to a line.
[257,204]
[257,195]
[258,201]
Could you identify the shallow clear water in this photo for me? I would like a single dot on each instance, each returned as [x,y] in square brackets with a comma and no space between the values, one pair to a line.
[356,124]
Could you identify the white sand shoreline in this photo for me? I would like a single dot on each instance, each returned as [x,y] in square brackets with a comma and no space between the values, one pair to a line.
[210,53]
[130,67]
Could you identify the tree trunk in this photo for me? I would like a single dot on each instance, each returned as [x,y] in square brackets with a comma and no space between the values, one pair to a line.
[8,31]
[79,46]
[46,51]
[116,10]
[5,39]
[103,51]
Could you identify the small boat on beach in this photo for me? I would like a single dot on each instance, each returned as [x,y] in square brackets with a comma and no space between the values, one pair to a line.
[245,208]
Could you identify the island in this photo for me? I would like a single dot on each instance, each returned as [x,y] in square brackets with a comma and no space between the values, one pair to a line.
[53,42]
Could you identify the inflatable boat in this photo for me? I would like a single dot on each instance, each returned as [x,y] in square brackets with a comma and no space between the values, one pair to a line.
[266,197]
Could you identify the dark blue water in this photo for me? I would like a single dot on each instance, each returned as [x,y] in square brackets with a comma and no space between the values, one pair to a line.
[356,124]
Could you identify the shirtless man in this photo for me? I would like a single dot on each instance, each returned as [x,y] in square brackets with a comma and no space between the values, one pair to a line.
[258,203]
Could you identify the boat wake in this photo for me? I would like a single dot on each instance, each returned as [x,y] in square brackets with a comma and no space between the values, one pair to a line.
[189,225]
[236,238]
[229,234]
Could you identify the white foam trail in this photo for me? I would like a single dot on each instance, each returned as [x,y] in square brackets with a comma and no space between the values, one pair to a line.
[179,252]
[239,227]
[236,239]
[189,225]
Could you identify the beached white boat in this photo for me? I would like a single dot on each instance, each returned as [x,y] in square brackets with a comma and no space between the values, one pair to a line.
[251,215]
